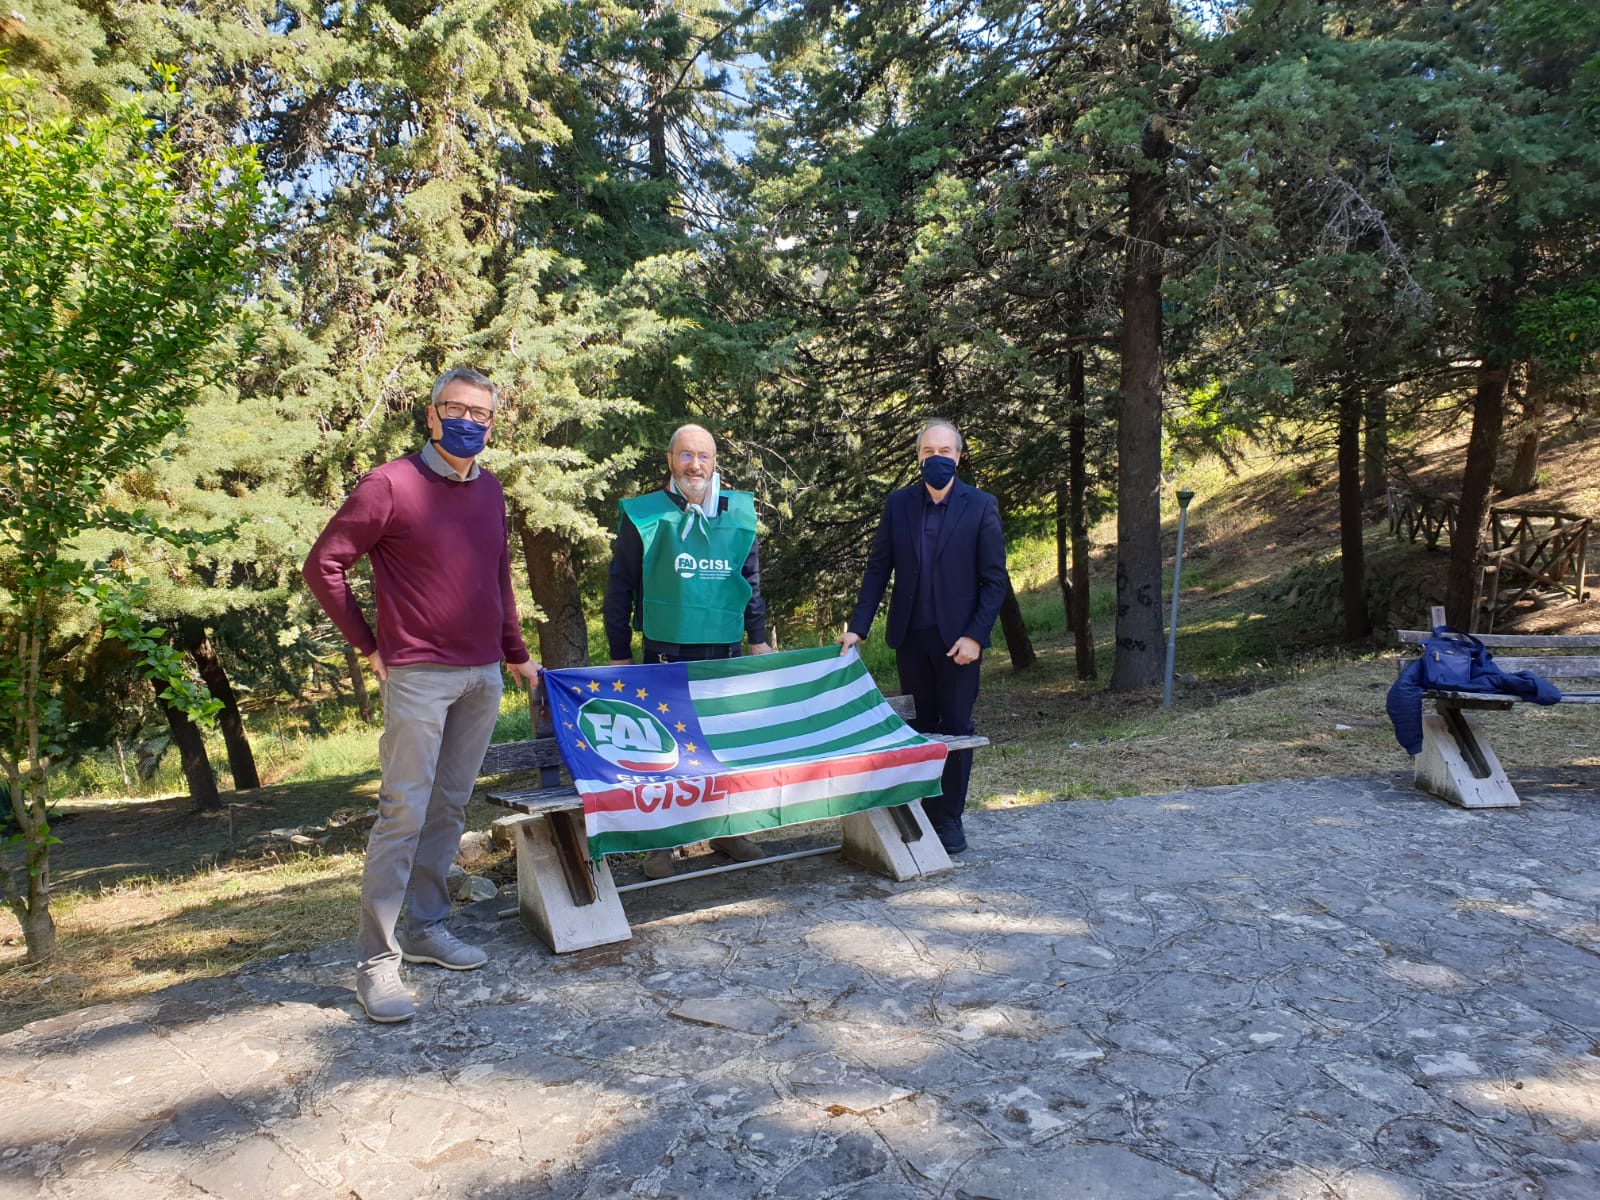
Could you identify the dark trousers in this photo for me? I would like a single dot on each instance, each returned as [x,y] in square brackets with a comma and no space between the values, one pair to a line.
[944,695]
[670,652]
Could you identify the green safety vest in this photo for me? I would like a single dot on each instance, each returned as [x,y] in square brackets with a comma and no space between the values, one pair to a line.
[695,592]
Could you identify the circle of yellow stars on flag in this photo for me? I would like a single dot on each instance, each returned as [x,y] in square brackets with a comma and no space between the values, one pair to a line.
[640,693]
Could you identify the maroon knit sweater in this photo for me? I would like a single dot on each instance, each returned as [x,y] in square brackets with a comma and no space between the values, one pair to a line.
[440,567]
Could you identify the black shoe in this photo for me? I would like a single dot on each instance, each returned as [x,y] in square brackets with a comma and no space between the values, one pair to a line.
[951,836]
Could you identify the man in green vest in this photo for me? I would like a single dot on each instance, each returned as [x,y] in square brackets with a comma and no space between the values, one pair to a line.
[686,573]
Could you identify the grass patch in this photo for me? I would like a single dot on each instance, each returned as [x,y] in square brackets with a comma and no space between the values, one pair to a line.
[144,933]
[339,755]
[1315,719]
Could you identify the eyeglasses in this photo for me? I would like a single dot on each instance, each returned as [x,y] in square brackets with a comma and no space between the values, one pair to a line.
[454,412]
[689,456]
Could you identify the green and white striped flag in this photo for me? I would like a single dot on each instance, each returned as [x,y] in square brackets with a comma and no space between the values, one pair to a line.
[670,753]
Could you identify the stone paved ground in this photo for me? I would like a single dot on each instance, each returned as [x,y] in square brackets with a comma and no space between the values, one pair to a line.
[1330,988]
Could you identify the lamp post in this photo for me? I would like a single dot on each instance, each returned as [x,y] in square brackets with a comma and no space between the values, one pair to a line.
[1184,496]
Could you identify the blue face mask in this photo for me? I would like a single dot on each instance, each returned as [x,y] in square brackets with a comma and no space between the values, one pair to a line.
[460,437]
[938,471]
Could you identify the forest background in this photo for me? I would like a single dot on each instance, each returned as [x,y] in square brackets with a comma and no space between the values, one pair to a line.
[1106,239]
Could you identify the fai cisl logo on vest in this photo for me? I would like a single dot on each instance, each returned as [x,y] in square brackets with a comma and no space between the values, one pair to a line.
[626,736]
[688,567]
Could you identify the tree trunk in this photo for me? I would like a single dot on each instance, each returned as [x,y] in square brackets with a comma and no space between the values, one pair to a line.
[1375,454]
[29,897]
[358,683]
[1488,414]
[1524,473]
[656,127]
[1018,644]
[241,762]
[38,926]
[563,634]
[1140,650]
[1063,570]
[192,751]
[27,892]
[1352,553]
[1078,516]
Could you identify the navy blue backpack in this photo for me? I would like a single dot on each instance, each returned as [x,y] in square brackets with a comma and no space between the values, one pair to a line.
[1450,659]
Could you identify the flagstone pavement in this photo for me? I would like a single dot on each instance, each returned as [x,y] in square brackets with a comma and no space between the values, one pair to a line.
[1330,988]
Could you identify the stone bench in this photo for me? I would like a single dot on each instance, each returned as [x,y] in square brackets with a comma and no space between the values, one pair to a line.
[570,902]
[1457,762]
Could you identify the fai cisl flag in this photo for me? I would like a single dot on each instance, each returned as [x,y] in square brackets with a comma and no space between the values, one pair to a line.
[666,754]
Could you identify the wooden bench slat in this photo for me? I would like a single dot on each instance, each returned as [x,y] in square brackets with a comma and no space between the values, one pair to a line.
[1531,641]
[1473,699]
[1572,667]
[959,741]
[530,754]
[537,800]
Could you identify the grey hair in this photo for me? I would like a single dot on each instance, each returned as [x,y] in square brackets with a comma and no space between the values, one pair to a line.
[941,423]
[466,375]
[683,429]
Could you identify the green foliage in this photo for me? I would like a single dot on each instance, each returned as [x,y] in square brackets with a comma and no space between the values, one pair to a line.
[107,301]
[121,259]
[1563,329]
[118,604]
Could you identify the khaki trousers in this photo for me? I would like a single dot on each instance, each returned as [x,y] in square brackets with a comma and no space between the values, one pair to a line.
[437,722]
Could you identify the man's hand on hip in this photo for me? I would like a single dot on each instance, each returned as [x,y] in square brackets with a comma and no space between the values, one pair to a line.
[965,651]
[375,661]
[846,640]
[526,672]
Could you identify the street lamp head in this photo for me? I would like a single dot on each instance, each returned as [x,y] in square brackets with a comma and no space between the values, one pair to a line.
[1184,496]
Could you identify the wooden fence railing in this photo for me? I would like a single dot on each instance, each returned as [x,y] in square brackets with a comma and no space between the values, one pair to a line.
[1412,513]
[1535,556]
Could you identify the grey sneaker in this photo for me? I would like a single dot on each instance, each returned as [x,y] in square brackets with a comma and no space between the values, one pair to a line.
[441,948]
[383,995]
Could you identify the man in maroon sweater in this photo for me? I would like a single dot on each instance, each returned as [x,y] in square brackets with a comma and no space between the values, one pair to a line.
[434,526]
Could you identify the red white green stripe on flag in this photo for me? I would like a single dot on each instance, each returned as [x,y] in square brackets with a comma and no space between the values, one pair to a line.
[671,753]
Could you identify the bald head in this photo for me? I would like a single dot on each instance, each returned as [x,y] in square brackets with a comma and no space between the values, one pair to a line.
[692,459]
[686,430]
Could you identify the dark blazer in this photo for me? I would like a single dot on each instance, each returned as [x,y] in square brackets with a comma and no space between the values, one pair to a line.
[970,561]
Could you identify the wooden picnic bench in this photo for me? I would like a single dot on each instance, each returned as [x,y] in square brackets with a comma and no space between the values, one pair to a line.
[1456,762]
[570,901]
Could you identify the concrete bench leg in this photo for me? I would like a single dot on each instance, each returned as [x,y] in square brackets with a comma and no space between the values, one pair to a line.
[1457,764]
[897,842]
[567,902]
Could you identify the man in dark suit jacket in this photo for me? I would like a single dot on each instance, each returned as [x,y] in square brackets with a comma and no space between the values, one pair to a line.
[941,541]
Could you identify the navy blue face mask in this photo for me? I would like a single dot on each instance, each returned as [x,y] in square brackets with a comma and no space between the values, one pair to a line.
[938,471]
[461,437]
